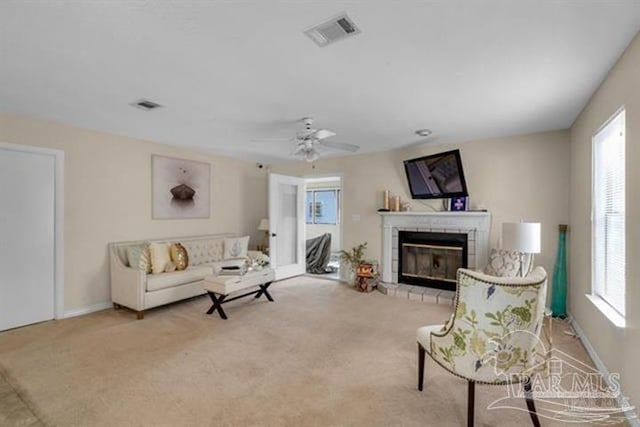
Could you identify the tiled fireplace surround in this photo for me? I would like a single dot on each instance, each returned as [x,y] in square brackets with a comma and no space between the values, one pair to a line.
[475,225]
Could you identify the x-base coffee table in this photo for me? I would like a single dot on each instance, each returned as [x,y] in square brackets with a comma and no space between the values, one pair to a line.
[220,287]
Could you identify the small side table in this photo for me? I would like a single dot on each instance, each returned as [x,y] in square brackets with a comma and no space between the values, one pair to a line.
[366,277]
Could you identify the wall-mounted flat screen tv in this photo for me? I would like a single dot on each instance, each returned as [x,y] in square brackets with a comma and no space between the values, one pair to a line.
[438,176]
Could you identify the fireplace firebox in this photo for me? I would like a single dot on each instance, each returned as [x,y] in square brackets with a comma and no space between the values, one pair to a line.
[431,259]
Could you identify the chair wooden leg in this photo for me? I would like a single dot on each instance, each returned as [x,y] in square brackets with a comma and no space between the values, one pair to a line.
[528,396]
[421,357]
[471,403]
[140,315]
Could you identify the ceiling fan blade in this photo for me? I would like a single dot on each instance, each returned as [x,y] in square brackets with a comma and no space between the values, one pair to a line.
[340,146]
[321,134]
[297,150]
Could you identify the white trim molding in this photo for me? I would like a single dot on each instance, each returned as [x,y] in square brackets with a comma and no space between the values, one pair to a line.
[607,311]
[86,310]
[632,417]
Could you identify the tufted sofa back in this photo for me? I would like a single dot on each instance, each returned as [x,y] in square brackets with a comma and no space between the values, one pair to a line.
[201,249]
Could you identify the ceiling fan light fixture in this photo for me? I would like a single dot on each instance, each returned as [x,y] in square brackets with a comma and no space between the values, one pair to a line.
[311,156]
[423,132]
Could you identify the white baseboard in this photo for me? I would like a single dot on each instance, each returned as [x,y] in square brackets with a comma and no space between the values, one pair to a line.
[632,417]
[86,310]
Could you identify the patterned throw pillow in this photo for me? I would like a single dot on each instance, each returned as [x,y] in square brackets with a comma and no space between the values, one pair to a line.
[170,267]
[145,259]
[160,257]
[139,257]
[236,247]
[503,263]
[179,256]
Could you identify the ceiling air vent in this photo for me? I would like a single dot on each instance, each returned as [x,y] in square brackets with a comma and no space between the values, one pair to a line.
[335,29]
[146,105]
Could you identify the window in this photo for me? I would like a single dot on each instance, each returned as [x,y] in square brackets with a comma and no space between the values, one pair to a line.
[322,206]
[608,218]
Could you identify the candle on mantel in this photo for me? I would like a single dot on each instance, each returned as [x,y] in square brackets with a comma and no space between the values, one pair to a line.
[396,203]
[385,200]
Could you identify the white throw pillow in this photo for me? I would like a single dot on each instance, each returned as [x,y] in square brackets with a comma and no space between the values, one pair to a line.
[236,247]
[160,257]
[503,263]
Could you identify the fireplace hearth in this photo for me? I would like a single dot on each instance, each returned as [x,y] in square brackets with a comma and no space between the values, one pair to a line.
[431,259]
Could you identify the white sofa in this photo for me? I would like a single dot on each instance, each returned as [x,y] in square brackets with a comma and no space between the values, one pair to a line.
[139,291]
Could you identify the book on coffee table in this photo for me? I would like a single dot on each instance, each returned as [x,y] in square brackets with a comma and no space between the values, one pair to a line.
[233,271]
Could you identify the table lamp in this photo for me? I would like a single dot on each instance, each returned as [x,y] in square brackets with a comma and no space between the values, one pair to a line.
[521,237]
[264,226]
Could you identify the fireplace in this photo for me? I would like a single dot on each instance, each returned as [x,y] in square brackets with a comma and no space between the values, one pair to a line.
[474,226]
[431,259]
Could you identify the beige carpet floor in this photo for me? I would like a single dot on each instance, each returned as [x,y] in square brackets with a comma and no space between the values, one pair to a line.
[321,354]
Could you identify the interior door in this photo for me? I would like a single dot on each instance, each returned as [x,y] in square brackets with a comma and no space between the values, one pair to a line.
[27,237]
[286,222]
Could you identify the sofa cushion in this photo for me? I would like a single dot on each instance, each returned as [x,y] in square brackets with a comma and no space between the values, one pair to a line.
[133,255]
[177,278]
[202,251]
[179,256]
[145,259]
[160,257]
[236,247]
[138,257]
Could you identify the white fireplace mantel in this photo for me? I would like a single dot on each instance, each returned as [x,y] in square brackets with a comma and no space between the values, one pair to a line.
[475,224]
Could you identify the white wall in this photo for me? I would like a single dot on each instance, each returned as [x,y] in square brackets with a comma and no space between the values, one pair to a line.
[108,198]
[520,177]
[618,348]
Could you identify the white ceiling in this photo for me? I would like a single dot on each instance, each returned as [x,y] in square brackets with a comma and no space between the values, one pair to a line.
[230,72]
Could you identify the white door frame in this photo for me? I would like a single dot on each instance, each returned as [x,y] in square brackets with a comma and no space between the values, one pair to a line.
[58,280]
[333,175]
[284,272]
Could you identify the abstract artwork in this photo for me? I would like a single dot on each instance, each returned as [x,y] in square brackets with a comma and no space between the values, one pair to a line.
[181,188]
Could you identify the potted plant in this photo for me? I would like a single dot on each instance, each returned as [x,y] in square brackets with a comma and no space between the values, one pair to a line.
[353,258]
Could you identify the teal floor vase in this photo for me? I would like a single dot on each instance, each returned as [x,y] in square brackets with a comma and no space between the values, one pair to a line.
[559,284]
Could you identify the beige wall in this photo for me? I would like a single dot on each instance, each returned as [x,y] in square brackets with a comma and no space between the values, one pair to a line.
[521,177]
[617,348]
[108,198]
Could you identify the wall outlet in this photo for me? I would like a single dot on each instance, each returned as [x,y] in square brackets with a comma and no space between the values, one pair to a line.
[355,217]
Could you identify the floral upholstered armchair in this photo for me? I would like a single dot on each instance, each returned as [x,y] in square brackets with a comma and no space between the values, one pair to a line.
[493,336]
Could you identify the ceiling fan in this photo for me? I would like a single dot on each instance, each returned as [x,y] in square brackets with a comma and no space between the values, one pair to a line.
[308,140]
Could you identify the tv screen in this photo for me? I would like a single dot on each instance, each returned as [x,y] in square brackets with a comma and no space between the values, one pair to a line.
[438,176]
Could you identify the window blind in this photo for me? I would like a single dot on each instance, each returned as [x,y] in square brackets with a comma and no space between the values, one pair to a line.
[609,213]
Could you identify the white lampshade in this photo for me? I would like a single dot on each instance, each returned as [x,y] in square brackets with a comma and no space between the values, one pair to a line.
[264,225]
[521,237]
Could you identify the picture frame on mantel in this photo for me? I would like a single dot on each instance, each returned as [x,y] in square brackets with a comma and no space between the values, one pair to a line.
[458,204]
[181,189]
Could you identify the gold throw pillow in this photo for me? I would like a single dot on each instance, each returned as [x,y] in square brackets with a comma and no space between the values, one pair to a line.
[179,256]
